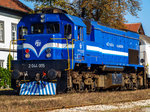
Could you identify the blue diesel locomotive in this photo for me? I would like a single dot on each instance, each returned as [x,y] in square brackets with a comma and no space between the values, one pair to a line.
[57,52]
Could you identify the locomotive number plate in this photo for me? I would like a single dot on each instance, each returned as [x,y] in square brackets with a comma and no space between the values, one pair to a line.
[36,65]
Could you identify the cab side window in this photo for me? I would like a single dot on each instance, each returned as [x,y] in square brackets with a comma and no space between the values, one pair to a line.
[68,31]
[53,28]
[22,31]
[37,28]
[80,33]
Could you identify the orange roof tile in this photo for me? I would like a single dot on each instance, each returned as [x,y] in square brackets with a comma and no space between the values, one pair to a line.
[14,5]
[133,27]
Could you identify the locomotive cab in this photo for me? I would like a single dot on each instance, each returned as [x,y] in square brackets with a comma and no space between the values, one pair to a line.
[46,37]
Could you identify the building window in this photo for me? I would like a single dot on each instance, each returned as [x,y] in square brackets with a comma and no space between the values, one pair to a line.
[1,63]
[1,31]
[14,31]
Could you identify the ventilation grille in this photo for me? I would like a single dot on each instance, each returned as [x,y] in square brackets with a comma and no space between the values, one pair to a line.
[133,56]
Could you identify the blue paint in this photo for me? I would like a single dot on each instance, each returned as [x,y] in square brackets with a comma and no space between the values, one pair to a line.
[36,89]
[29,88]
[32,88]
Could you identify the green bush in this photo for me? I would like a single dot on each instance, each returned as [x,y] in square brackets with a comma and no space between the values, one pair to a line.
[5,78]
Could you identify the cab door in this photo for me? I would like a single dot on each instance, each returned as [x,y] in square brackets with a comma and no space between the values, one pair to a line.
[67,41]
[68,31]
[79,45]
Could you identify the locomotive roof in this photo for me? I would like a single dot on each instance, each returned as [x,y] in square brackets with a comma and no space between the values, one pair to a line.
[76,20]
[114,31]
[55,17]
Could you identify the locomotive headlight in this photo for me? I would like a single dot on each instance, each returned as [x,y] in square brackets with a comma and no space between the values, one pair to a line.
[42,20]
[48,55]
[42,16]
[48,50]
[27,55]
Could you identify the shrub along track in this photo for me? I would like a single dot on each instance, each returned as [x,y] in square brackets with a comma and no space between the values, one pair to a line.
[14,103]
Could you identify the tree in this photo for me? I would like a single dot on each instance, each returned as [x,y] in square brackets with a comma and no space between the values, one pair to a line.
[9,59]
[44,2]
[114,11]
[107,12]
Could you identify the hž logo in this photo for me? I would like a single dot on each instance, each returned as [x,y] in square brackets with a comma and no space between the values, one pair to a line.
[80,46]
[38,43]
[110,44]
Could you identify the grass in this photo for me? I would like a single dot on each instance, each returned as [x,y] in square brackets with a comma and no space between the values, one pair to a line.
[6,89]
[13,103]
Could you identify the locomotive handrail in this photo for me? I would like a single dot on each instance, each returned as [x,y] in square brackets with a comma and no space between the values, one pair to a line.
[72,52]
[67,50]
[13,50]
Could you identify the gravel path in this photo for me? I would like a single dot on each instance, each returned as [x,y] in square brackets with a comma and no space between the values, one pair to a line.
[94,108]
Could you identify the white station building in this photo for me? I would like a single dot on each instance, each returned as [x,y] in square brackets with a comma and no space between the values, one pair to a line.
[11,11]
[145,52]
